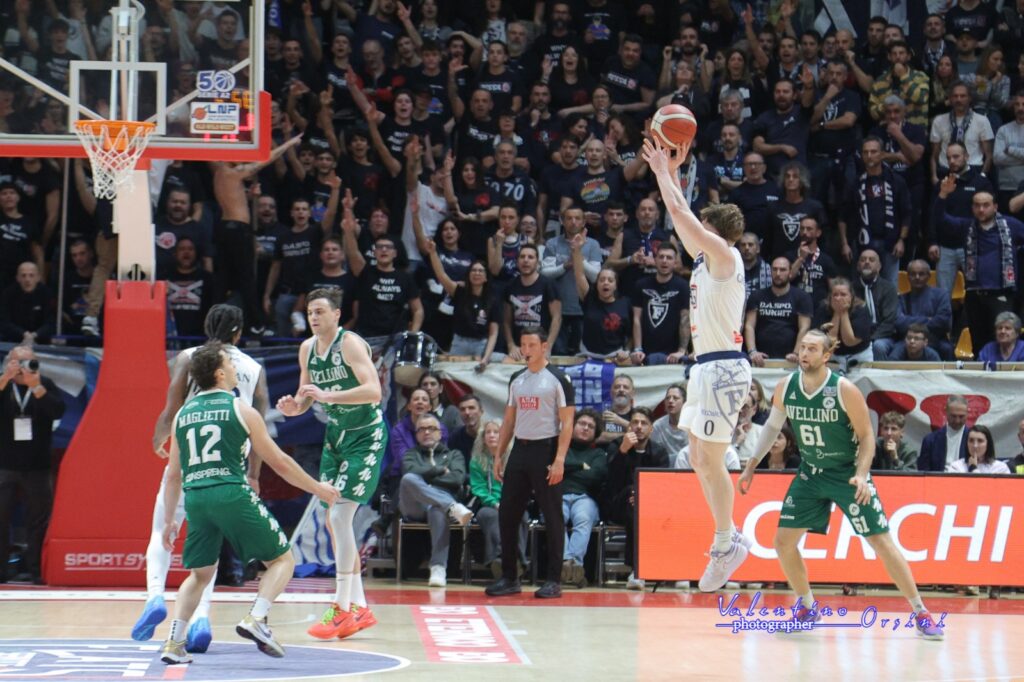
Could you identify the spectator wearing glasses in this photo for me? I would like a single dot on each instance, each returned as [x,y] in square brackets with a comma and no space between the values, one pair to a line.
[914,346]
[586,467]
[432,481]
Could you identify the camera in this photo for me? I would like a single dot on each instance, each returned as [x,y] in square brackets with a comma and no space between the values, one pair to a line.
[30,365]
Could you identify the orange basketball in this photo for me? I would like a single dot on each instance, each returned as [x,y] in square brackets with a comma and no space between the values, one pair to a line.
[674,125]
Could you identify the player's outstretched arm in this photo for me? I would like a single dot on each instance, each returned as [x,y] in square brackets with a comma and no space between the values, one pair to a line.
[357,355]
[280,462]
[769,432]
[175,399]
[695,237]
[289,405]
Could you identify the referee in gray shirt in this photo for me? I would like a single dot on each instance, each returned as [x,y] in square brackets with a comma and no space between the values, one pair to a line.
[539,412]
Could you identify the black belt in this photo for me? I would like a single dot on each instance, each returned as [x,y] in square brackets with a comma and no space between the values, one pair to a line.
[721,355]
[539,441]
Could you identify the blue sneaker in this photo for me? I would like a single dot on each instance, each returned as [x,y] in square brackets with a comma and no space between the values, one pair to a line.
[199,636]
[927,627]
[152,615]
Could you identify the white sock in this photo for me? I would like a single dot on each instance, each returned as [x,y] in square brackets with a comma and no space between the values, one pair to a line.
[203,608]
[723,540]
[917,604]
[807,600]
[178,629]
[158,562]
[358,597]
[260,608]
[343,591]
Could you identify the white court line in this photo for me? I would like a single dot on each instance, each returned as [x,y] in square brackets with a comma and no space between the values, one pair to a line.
[131,595]
[512,641]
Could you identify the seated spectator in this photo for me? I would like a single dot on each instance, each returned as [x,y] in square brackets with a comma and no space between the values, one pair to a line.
[1008,346]
[433,478]
[746,433]
[616,417]
[439,405]
[666,433]
[471,412]
[848,319]
[732,459]
[661,313]
[784,453]
[485,486]
[189,289]
[881,299]
[776,318]
[941,448]
[1016,464]
[586,467]
[981,454]
[403,433]
[607,315]
[926,305]
[635,451]
[27,313]
[891,452]
[914,346]
[762,406]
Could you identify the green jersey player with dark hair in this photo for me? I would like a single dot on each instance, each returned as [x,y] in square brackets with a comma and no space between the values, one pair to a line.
[337,371]
[837,444]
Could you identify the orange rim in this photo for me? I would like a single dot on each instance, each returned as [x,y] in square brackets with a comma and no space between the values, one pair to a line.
[114,140]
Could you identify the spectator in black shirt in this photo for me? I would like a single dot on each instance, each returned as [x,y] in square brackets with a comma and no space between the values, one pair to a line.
[556,181]
[189,290]
[849,319]
[570,82]
[903,148]
[55,60]
[757,274]
[331,275]
[776,318]
[756,195]
[19,235]
[475,206]
[632,82]
[727,164]
[834,129]
[812,268]
[530,300]
[27,308]
[77,278]
[791,209]
[294,259]
[974,16]
[509,182]
[177,224]
[607,315]
[661,312]
[476,125]
[558,37]
[385,297]
[781,134]
[505,87]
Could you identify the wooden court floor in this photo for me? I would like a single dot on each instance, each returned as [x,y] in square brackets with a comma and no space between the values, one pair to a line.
[460,634]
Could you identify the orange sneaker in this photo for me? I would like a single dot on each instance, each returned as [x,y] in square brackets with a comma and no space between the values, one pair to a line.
[334,623]
[364,619]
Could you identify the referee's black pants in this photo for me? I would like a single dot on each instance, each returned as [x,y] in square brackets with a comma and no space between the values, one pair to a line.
[526,473]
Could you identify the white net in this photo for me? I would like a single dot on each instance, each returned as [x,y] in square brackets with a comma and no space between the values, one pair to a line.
[114,147]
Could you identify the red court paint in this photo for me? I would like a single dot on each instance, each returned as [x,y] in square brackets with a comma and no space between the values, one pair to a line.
[462,634]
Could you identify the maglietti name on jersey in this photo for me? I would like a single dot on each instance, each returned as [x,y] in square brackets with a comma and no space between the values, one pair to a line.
[812,414]
[327,375]
[204,416]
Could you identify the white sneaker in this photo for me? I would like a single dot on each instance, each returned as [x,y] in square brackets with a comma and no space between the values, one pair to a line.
[634,583]
[741,538]
[90,326]
[460,513]
[259,632]
[438,576]
[721,566]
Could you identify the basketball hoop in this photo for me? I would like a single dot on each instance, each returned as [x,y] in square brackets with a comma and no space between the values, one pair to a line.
[114,147]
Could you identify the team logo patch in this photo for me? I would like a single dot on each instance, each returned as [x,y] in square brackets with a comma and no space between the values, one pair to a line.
[336,358]
[829,403]
[854,509]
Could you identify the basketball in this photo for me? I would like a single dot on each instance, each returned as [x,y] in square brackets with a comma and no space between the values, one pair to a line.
[674,125]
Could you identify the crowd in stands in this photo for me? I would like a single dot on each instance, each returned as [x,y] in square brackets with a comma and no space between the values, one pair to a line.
[468,168]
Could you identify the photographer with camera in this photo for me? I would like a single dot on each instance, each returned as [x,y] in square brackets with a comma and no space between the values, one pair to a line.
[29,404]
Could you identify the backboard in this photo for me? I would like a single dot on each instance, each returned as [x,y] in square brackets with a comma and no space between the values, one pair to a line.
[192,67]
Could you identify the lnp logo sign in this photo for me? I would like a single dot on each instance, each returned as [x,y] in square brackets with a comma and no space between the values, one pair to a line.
[220,118]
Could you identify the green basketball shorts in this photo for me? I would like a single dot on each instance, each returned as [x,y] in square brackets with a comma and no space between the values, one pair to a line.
[234,512]
[351,460]
[808,502]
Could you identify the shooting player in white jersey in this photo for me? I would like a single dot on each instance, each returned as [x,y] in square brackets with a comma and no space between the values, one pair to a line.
[721,379]
[223,323]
